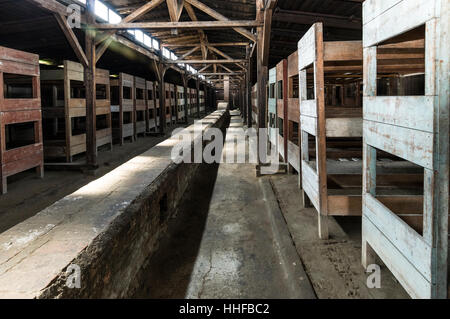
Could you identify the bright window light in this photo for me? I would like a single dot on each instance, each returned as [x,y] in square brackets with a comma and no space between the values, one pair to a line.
[101,10]
[131,32]
[114,18]
[139,35]
[155,44]
[82,1]
[166,53]
[173,56]
[147,41]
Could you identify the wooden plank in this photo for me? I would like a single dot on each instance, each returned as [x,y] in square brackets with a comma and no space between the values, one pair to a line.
[306,51]
[344,127]
[374,8]
[294,155]
[308,108]
[401,235]
[414,112]
[309,124]
[412,280]
[402,17]
[343,51]
[412,145]
[310,183]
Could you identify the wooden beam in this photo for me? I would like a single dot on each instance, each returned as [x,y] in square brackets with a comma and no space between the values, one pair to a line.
[71,37]
[130,18]
[267,28]
[175,9]
[219,74]
[221,44]
[179,25]
[189,52]
[201,33]
[308,18]
[90,85]
[205,61]
[220,17]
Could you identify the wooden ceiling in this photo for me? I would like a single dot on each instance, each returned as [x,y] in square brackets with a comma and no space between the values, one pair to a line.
[25,27]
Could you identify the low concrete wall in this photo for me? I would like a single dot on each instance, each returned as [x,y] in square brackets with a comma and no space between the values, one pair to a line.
[108,228]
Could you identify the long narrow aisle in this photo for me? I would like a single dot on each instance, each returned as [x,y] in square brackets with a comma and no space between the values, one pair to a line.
[241,253]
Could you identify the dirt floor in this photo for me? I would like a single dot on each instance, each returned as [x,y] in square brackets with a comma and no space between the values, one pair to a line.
[27,195]
[333,266]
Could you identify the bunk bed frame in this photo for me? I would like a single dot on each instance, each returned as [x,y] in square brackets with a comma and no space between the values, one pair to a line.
[332,178]
[255,104]
[293,115]
[122,130]
[180,104]
[412,127]
[140,106]
[17,110]
[202,101]
[63,99]
[158,106]
[282,114]
[272,108]
[103,108]
[151,107]
[173,104]
[168,105]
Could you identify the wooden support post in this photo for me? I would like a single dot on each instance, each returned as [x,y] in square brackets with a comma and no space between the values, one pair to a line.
[198,96]
[89,80]
[226,89]
[249,88]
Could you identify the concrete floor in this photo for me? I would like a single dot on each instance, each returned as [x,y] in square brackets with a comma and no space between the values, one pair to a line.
[229,241]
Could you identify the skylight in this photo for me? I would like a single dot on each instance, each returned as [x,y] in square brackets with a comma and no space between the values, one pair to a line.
[147,40]
[114,18]
[139,35]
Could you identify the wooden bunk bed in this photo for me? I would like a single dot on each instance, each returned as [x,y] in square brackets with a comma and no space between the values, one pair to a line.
[140,106]
[64,111]
[193,102]
[103,109]
[167,104]
[122,108]
[158,105]
[282,103]
[21,146]
[272,109]
[293,115]
[173,104]
[411,122]
[331,135]
[255,104]
[202,101]
[151,110]
[180,104]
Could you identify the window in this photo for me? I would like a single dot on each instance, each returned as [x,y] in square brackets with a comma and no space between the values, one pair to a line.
[114,18]
[139,35]
[101,10]
[155,44]
[147,41]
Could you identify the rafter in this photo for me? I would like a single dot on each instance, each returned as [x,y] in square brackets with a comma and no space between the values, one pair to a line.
[216,15]
[175,9]
[129,18]
[179,25]
[71,37]
[201,33]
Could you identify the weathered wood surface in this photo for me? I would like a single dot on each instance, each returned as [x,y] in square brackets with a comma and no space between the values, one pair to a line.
[414,128]
[22,110]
